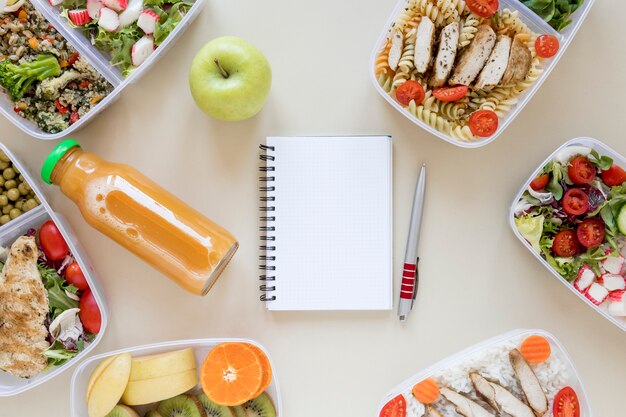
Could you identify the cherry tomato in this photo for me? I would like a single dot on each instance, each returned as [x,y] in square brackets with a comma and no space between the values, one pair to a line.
[565,244]
[540,182]
[483,123]
[483,8]
[394,408]
[75,276]
[89,312]
[74,58]
[614,176]
[448,94]
[581,170]
[590,232]
[547,46]
[410,90]
[84,84]
[575,202]
[74,117]
[52,241]
[566,403]
[62,109]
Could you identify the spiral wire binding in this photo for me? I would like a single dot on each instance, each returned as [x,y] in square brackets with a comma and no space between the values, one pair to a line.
[266,227]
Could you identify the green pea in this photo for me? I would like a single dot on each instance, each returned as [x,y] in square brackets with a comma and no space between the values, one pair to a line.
[21,177]
[2,181]
[13,194]
[6,209]
[4,200]
[4,165]
[10,184]
[15,213]
[4,157]
[5,219]
[29,205]
[20,203]
[37,200]
[24,188]
[17,170]
[8,174]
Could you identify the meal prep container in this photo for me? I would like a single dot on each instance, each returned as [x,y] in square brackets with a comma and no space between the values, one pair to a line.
[458,358]
[98,60]
[201,347]
[602,150]
[10,385]
[534,22]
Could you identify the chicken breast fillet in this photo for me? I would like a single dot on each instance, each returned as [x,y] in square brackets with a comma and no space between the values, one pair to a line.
[464,405]
[395,53]
[23,310]
[500,398]
[530,384]
[519,63]
[446,55]
[424,45]
[474,58]
[493,72]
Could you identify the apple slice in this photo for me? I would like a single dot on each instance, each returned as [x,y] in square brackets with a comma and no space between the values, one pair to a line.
[107,384]
[157,389]
[163,364]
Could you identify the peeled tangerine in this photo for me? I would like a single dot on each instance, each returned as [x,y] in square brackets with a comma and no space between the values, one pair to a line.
[107,384]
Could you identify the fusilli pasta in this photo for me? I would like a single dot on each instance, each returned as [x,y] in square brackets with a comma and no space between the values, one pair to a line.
[468,30]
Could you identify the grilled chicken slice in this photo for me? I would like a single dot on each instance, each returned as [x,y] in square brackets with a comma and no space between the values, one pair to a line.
[493,72]
[23,310]
[500,398]
[464,405]
[395,52]
[530,384]
[474,58]
[519,63]
[424,44]
[432,412]
[448,43]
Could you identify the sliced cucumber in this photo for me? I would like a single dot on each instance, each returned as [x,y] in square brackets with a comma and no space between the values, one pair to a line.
[621,220]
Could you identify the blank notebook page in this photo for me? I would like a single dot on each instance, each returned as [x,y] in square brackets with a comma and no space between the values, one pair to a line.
[333,223]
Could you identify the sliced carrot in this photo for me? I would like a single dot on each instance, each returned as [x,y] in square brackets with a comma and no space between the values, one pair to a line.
[64,63]
[95,100]
[426,391]
[535,349]
[34,43]
[22,15]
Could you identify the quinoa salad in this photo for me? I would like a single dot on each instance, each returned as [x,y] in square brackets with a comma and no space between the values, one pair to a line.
[55,86]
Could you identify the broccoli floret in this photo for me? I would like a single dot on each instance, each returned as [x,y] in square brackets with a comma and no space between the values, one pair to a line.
[17,79]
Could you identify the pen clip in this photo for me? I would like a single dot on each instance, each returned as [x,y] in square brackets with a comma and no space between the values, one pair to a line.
[417,278]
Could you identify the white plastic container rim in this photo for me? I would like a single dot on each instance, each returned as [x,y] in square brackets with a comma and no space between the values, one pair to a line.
[20,385]
[530,18]
[78,389]
[463,355]
[603,150]
[99,61]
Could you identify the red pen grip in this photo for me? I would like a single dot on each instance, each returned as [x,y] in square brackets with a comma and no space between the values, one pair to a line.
[408,282]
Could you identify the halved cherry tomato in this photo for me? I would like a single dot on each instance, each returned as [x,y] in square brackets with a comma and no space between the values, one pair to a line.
[394,408]
[75,276]
[540,182]
[483,123]
[547,46]
[614,176]
[410,90]
[448,94]
[565,244]
[581,170]
[73,58]
[575,201]
[591,232]
[74,117]
[483,8]
[89,312]
[52,242]
[62,109]
[566,403]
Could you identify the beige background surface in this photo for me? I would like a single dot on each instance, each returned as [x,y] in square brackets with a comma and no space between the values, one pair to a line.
[477,280]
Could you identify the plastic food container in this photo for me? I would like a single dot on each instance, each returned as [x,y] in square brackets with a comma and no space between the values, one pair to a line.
[533,21]
[10,385]
[99,61]
[516,336]
[602,150]
[201,347]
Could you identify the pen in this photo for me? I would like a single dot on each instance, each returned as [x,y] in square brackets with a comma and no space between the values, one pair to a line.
[410,274]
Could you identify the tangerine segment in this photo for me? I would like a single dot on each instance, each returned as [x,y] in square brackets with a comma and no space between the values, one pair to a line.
[267,369]
[231,374]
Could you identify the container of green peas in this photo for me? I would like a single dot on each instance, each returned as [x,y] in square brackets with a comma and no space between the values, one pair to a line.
[16,194]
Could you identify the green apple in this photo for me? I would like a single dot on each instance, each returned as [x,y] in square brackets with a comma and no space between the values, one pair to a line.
[230,79]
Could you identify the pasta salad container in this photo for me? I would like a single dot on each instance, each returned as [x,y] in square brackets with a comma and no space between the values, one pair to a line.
[30,221]
[85,47]
[470,377]
[85,378]
[569,150]
[450,121]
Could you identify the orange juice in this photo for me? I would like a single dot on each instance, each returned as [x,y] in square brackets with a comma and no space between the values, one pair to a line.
[141,216]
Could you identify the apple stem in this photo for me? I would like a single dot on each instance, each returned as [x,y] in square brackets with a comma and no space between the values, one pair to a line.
[222,70]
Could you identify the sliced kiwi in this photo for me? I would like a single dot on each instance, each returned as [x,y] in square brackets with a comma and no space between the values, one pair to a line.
[261,406]
[121,410]
[214,410]
[181,406]
[153,413]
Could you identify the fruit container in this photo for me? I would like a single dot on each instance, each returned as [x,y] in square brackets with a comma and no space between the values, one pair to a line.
[99,61]
[201,348]
[463,358]
[602,150]
[9,384]
[533,21]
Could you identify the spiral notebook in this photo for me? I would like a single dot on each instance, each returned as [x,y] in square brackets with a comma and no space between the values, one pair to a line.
[326,223]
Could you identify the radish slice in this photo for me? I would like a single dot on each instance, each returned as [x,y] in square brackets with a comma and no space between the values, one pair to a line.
[142,49]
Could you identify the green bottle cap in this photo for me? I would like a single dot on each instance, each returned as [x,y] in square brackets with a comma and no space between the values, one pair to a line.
[55,156]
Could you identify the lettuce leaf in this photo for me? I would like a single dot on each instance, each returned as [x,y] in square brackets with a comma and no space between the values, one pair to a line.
[531,228]
[56,287]
[175,14]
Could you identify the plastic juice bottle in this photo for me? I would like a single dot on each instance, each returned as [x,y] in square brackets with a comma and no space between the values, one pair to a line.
[141,216]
